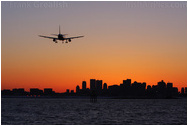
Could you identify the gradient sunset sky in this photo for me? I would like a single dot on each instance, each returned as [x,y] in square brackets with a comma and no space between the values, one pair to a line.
[142,41]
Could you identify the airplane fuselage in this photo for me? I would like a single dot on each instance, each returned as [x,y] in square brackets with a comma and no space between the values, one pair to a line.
[60,37]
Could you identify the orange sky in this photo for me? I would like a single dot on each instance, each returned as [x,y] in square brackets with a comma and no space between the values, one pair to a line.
[144,44]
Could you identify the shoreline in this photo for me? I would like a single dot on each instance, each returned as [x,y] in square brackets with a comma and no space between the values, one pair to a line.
[88,97]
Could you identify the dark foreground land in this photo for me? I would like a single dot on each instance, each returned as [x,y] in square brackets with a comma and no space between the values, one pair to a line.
[70,111]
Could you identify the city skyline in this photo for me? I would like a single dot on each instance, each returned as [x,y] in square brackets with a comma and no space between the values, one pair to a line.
[96,84]
[126,90]
[145,41]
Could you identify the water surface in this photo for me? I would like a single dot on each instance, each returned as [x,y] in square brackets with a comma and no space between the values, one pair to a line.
[82,111]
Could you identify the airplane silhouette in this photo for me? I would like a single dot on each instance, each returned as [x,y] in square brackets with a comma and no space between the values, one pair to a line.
[60,37]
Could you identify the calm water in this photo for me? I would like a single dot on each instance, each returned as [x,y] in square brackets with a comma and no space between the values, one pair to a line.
[81,111]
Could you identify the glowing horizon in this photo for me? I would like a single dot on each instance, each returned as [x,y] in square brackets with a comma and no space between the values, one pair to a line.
[88,85]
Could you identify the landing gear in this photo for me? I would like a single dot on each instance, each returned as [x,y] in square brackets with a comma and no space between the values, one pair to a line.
[66,41]
[54,40]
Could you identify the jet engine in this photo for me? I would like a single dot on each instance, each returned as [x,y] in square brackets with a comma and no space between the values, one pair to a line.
[69,40]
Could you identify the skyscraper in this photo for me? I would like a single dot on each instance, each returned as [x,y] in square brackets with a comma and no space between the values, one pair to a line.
[148,88]
[143,85]
[99,86]
[84,85]
[104,86]
[77,89]
[161,85]
[127,82]
[169,85]
[67,91]
[92,84]
[72,91]
[185,90]
[182,90]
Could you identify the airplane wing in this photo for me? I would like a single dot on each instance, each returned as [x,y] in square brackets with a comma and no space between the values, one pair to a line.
[73,37]
[47,37]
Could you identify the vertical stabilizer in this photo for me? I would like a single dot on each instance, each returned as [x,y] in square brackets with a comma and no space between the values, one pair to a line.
[59,30]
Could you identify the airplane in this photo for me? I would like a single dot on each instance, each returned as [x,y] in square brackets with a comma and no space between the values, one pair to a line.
[60,37]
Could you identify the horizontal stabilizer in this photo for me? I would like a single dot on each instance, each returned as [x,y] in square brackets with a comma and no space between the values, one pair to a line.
[55,34]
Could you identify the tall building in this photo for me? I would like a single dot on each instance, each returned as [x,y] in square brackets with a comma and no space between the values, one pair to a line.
[127,82]
[67,91]
[114,90]
[148,88]
[77,89]
[99,85]
[104,86]
[92,84]
[143,85]
[169,85]
[161,84]
[175,91]
[182,90]
[84,85]
[185,90]
[72,91]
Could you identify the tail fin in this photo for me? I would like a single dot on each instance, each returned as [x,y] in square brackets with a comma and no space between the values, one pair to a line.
[59,30]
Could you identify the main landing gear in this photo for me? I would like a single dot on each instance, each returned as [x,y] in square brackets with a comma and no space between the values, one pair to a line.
[55,40]
[69,40]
